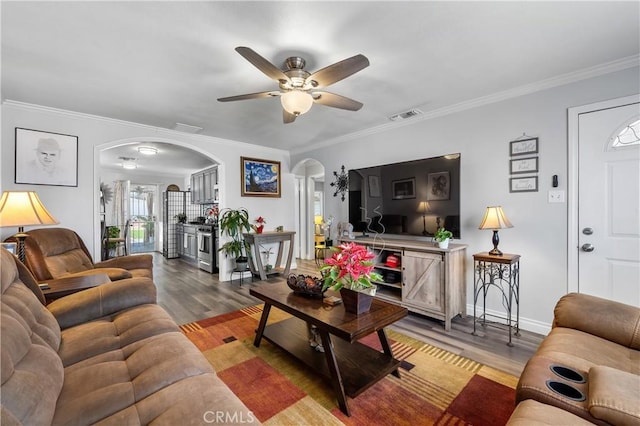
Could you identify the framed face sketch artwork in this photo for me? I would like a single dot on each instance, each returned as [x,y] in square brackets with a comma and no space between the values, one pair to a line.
[45,158]
[260,178]
[438,186]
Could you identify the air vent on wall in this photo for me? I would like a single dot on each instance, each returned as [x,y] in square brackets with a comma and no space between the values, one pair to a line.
[405,115]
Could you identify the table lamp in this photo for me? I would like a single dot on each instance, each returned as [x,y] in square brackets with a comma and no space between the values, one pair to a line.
[494,219]
[23,208]
[425,209]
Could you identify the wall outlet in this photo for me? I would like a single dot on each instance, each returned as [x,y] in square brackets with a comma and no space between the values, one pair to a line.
[556,196]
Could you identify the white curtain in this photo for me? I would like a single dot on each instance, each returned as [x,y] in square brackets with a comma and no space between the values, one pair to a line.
[120,211]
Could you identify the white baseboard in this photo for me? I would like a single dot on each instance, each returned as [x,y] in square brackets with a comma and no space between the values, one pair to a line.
[528,324]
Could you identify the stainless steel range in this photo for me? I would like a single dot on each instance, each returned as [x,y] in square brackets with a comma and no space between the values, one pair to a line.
[207,248]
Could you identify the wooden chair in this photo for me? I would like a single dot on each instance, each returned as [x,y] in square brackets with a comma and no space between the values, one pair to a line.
[117,241]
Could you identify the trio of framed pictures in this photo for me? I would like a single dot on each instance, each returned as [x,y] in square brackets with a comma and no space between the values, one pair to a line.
[523,162]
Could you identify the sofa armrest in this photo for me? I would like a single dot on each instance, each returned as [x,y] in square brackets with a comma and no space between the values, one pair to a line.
[106,299]
[604,318]
[614,395]
[138,261]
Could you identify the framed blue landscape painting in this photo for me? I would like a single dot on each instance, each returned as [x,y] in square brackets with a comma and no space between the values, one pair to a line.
[260,178]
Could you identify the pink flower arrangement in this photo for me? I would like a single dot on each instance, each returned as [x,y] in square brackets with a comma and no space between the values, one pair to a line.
[350,266]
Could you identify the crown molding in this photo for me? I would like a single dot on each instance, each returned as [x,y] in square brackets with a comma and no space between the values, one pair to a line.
[153,130]
[561,80]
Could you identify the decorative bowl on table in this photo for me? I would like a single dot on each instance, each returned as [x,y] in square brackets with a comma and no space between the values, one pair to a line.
[305,285]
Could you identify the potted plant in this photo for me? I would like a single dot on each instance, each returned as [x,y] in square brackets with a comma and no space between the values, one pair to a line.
[181,218]
[442,236]
[234,223]
[350,270]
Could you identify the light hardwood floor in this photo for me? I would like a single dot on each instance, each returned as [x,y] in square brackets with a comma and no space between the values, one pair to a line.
[190,294]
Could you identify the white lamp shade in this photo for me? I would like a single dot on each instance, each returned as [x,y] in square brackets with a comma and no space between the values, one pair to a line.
[23,208]
[296,102]
[494,218]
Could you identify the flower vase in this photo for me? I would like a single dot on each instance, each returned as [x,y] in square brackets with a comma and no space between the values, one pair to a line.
[355,302]
[259,229]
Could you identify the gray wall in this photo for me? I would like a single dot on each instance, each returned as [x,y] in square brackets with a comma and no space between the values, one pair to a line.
[482,137]
[78,207]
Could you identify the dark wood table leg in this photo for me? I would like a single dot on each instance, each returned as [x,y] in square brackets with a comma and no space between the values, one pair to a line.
[336,378]
[262,325]
[387,349]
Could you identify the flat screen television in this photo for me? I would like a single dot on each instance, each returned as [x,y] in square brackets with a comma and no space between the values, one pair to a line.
[411,198]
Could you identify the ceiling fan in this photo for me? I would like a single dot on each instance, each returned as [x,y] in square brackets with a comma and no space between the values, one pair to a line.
[299,89]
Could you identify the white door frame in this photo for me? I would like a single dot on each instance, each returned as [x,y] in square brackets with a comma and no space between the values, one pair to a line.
[573,233]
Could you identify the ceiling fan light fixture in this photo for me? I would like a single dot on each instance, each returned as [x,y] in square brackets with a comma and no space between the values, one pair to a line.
[296,102]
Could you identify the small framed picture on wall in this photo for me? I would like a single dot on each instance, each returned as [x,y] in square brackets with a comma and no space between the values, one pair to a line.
[523,147]
[523,184]
[523,165]
[45,158]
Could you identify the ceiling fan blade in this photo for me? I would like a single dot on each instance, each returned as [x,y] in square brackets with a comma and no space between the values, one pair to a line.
[338,71]
[262,64]
[249,96]
[336,101]
[287,117]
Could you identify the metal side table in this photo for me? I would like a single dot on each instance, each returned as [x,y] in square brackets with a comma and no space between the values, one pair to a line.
[503,273]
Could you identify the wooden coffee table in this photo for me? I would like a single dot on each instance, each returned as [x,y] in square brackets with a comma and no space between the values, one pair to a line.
[64,286]
[351,366]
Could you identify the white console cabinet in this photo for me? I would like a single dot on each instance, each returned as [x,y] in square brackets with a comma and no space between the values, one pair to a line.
[429,280]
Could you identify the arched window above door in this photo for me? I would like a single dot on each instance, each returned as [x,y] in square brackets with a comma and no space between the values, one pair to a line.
[629,135]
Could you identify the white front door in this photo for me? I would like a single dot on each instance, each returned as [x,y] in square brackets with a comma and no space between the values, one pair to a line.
[608,205]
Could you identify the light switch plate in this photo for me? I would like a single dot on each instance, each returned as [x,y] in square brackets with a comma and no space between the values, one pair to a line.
[556,196]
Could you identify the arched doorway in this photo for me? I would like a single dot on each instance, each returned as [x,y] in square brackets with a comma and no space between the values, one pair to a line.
[140,179]
[310,204]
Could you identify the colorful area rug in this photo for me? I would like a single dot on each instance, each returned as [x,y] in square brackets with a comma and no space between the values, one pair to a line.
[436,387]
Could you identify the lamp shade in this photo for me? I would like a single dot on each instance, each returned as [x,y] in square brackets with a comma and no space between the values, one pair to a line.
[494,218]
[23,208]
[424,208]
[296,102]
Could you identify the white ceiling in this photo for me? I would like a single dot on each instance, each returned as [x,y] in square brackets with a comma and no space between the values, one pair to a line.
[170,160]
[162,63]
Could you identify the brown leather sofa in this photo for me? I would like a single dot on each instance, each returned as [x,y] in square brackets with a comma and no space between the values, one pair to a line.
[108,355]
[587,370]
[52,253]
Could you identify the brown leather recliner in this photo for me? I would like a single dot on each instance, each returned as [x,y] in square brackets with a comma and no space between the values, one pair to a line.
[588,366]
[52,253]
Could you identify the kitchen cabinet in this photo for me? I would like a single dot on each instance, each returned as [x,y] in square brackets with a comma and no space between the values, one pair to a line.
[186,242]
[426,280]
[204,186]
